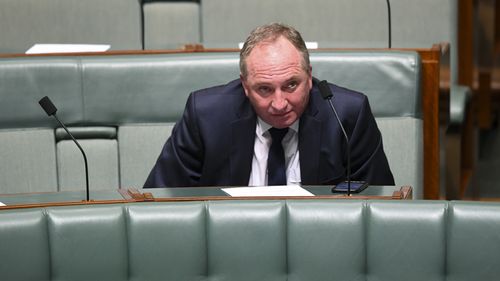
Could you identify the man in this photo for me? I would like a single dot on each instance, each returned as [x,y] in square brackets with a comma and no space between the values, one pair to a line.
[225,137]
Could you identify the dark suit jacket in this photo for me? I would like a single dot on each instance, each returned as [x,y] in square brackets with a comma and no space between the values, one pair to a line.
[212,145]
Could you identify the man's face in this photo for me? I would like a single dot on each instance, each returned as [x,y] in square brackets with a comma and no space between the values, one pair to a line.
[277,84]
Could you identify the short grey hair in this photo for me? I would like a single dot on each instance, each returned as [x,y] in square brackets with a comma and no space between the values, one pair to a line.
[270,33]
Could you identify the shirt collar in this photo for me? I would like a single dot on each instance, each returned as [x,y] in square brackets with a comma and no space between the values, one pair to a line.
[263,127]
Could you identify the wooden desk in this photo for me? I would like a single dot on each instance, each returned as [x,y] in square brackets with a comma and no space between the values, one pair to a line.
[70,198]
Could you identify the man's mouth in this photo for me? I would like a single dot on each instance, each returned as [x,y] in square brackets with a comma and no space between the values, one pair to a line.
[281,114]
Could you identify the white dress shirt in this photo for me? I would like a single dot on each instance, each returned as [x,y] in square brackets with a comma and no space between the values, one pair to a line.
[258,175]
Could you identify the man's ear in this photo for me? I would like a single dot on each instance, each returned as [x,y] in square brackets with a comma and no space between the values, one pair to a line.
[310,76]
[244,83]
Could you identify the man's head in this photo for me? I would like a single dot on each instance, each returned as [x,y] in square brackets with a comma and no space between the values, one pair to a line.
[276,73]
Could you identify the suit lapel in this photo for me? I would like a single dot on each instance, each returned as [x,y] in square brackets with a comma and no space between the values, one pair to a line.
[315,169]
[309,141]
[242,145]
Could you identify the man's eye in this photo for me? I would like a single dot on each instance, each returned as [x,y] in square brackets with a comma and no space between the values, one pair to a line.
[292,86]
[264,90]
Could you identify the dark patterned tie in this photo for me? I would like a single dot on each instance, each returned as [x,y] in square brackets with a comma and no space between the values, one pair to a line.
[276,170]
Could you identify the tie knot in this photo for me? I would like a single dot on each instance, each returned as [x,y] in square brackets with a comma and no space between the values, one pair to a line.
[278,134]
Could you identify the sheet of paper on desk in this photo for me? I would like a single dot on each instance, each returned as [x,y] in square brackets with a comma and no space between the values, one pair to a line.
[257,191]
[66,48]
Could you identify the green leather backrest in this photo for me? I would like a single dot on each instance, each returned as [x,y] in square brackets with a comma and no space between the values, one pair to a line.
[254,240]
[115,90]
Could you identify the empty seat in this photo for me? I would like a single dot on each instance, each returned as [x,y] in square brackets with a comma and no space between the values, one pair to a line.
[27,141]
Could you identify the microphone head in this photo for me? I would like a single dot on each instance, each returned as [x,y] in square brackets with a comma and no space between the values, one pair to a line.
[48,106]
[325,90]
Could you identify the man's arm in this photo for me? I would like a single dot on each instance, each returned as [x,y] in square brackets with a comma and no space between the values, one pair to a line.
[181,159]
[368,159]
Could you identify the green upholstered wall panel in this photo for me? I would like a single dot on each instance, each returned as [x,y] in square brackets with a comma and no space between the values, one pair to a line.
[246,240]
[473,241]
[167,241]
[406,240]
[85,238]
[24,245]
[254,240]
[321,236]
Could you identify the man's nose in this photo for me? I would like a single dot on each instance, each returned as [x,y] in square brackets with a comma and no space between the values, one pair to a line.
[279,101]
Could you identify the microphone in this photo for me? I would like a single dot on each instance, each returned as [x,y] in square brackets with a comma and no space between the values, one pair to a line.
[326,93]
[389,21]
[51,110]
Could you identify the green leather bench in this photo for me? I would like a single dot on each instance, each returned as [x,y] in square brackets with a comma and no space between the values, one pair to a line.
[253,240]
[122,108]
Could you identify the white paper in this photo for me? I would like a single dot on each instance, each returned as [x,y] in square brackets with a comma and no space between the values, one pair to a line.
[309,45]
[257,191]
[2,204]
[312,45]
[66,48]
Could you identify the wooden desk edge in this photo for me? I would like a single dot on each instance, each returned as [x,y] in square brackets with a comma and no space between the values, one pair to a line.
[436,47]
[133,195]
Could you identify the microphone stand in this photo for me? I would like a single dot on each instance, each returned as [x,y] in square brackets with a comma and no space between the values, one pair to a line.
[84,157]
[348,147]
[51,110]
[327,94]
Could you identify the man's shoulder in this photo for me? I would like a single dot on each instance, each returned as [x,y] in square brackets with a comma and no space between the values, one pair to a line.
[232,88]
[225,98]
[347,93]
[343,95]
